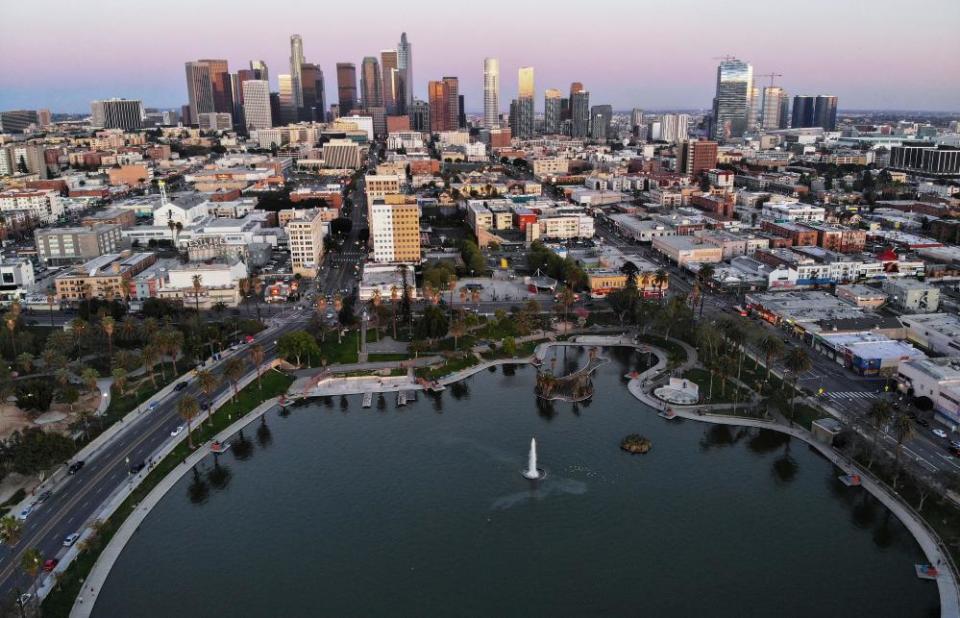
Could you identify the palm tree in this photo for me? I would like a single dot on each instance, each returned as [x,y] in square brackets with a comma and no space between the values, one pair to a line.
[25,361]
[902,431]
[120,379]
[188,409]
[565,297]
[10,530]
[31,561]
[704,276]
[127,329]
[797,361]
[233,371]
[197,289]
[11,318]
[394,297]
[879,413]
[89,376]
[150,354]
[257,355]
[108,324]
[51,301]
[78,327]
[207,382]
[451,286]
[771,347]
[457,329]
[660,279]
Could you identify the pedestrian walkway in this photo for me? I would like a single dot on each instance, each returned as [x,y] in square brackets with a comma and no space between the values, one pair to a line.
[852,395]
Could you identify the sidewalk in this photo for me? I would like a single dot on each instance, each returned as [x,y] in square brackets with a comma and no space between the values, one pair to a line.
[928,540]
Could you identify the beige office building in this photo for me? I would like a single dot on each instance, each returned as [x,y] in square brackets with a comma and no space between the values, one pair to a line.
[306,243]
[395,231]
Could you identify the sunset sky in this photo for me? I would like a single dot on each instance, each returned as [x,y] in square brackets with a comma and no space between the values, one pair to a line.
[654,54]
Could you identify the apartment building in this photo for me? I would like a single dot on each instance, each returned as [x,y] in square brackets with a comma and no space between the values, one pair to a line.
[68,245]
[395,232]
[305,236]
[43,205]
[105,277]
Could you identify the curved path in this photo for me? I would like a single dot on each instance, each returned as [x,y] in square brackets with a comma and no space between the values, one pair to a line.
[933,548]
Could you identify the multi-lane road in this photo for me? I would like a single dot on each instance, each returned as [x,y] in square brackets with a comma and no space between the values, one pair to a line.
[79,497]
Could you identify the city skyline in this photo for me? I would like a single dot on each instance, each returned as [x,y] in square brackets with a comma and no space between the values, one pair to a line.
[683,79]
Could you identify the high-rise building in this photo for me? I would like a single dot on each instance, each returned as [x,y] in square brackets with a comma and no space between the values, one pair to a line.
[731,105]
[43,118]
[199,89]
[221,83]
[405,68]
[551,111]
[825,112]
[123,114]
[461,112]
[305,235]
[491,93]
[437,94]
[311,83]
[697,156]
[525,90]
[636,119]
[419,113]
[256,104]
[575,87]
[288,109]
[674,127]
[755,113]
[371,88]
[395,232]
[579,113]
[346,87]
[803,107]
[774,114]
[390,79]
[260,67]
[296,64]
[600,118]
[452,85]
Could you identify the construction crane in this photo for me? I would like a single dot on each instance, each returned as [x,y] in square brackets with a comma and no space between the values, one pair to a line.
[771,76]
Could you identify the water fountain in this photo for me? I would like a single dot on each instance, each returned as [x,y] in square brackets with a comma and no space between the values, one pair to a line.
[533,472]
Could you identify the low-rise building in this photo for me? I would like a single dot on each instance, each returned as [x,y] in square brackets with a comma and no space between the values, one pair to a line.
[69,245]
[938,332]
[685,249]
[912,296]
[106,277]
[861,295]
[16,279]
[203,285]
[936,380]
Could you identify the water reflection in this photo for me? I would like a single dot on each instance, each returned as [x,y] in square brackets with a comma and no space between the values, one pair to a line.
[437,399]
[460,390]
[264,436]
[242,448]
[763,441]
[509,369]
[220,475]
[864,512]
[381,402]
[722,435]
[546,409]
[344,404]
[785,468]
[198,491]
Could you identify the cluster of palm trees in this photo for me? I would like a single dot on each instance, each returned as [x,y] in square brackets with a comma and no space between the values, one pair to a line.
[233,371]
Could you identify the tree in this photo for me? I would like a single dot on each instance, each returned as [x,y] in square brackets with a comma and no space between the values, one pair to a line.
[207,382]
[149,355]
[296,345]
[31,561]
[457,329]
[902,431]
[25,362]
[89,376]
[197,290]
[660,279]
[10,530]
[705,277]
[565,298]
[108,325]
[257,355]
[510,346]
[771,347]
[188,409]
[797,361]
[233,371]
[433,324]
[879,415]
[119,375]
[341,226]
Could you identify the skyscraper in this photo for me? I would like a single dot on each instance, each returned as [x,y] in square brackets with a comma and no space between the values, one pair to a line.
[346,87]
[803,108]
[452,85]
[390,80]
[825,112]
[731,105]
[405,68]
[525,89]
[600,118]
[575,87]
[371,88]
[260,67]
[199,89]
[774,114]
[579,113]
[296,64]
[755,113]
[674,127]
[221,83]
[288,110]
[551,111]
[437,96]
[256,104]
[696,156]
[491,93]
[419,113]
[311,83]
[636,118]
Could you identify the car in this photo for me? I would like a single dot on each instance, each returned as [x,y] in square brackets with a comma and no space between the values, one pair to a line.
[50,565]
[177,430]
[71,539]
[75,467]
[939,433]
[955,443]
[44,497]
[134,469]
[180,386]
[152,406]
[923,422]
[25,513]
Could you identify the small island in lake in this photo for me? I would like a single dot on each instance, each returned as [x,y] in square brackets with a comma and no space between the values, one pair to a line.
[635,443]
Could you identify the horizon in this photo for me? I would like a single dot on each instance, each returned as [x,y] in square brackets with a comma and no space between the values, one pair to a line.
[612,63]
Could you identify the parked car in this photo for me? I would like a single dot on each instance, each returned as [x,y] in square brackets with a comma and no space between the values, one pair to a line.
[44,497]
[75,467]
[50,565]
[25,513]
[71,539]
[135,468]
[177,430]
[180,386]
[922,422]
[939,433]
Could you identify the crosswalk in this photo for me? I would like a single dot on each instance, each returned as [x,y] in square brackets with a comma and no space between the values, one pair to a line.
[852,395]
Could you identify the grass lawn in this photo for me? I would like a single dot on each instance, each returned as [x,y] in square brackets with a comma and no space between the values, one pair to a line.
[344,351]
[702,378]
[673,349]
[61,598]
[451,366]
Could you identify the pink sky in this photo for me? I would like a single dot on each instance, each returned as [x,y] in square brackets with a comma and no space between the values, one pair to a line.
[652,54]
